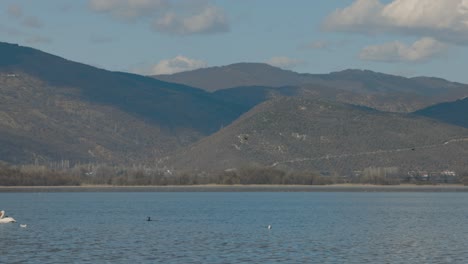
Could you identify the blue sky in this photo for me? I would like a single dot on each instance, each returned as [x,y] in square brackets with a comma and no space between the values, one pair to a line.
[403,37]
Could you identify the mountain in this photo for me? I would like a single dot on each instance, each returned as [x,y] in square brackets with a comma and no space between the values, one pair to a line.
[294,133]
[236,75]
[146,97]
[381,91]
[452,112]
[52,108]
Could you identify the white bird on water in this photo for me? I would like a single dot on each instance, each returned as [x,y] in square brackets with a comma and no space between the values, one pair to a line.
[5,219]
[269,226]
[23,225]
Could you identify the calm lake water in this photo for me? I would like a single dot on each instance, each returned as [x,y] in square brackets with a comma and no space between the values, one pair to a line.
[230,227]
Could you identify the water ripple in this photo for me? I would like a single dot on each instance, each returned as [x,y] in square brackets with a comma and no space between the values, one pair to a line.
[231,228]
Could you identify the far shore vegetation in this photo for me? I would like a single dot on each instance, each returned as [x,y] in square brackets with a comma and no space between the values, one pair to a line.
[92,174]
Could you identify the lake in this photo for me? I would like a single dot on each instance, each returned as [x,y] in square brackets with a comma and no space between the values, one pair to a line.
[231,227]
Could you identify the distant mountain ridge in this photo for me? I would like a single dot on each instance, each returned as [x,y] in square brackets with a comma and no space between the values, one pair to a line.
[381,91]
[236,75]
[262,74]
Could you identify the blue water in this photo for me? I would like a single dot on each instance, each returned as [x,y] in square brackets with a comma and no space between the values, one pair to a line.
[230,227]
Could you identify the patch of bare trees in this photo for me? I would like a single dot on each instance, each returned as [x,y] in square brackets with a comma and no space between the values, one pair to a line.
[99,174]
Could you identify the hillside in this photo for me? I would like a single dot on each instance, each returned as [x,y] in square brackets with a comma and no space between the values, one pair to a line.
[146,97]
[452,112]
[326,136]
[53,109]
[43,123]
[381,91]
[249,96]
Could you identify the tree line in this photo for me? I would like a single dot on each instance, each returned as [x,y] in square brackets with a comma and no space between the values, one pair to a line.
[101,174]
[39,175]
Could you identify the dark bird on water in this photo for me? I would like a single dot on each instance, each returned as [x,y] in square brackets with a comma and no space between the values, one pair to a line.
[148,219]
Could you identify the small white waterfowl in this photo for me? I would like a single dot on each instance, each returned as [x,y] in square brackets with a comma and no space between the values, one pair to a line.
[6,219]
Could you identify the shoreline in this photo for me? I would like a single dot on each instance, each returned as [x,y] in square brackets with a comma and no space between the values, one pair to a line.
[243,188]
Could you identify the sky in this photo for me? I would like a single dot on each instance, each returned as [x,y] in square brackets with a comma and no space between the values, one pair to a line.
[401,37]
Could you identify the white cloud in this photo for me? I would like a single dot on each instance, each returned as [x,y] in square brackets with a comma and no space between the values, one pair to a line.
[444,20]
[421,50]
[209,20]
[176,64]
[171,17]
[360,16]
[284,62]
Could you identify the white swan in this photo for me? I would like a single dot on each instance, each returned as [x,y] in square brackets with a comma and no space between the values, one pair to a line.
[6,219]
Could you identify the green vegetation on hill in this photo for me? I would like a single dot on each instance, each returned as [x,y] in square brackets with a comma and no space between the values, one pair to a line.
[329,137]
